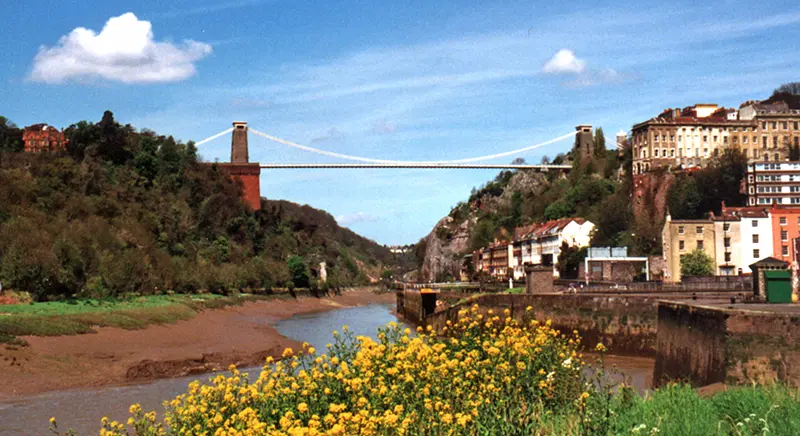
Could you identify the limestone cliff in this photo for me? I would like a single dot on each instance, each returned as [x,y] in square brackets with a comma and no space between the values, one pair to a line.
[445,247]
[449,241]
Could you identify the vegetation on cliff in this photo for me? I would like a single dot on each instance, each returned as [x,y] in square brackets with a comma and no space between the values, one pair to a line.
[127,211]
[484,374]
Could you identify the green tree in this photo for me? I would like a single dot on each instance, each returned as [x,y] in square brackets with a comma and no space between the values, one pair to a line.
[10,136]
[482,235]
[697,263]
[794,152]
[298,271]
[683,199]
[599,143]
[569,260]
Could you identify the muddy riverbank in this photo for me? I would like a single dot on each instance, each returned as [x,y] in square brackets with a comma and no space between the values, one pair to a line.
[242,335]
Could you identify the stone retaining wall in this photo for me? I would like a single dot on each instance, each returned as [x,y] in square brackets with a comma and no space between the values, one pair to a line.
[709,344]
[625,324]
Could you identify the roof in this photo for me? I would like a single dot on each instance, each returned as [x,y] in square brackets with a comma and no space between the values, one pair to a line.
[770,261]
[538,230]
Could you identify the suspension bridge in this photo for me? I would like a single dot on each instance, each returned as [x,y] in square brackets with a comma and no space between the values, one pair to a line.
[239,153]
[248,173]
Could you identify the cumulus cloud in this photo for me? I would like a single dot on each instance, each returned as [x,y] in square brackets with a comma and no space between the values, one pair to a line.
[564,62]
[358,217]
[124,51]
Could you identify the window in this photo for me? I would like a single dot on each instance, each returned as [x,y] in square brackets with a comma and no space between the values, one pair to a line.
[725,139]
[699,244]
[774,142]
[680,228]
[680,138]
[796,125]
[775,125]
[655,152]
[784,235]
[783,220]
[744,139]
[727,257]
[727,242]
[757,253]
[785,250]
[699,230]
[705,138]
[726,227]
[755,223]
[715,138]
[785,125]
[755,239]
[681,245]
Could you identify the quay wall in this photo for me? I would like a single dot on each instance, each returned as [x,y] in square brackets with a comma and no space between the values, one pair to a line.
[627,325]
[740,344]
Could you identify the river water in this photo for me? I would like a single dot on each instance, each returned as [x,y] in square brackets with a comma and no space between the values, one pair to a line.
[82,409]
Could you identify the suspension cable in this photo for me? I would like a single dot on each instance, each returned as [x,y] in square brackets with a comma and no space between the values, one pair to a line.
[211,138]
[385,161]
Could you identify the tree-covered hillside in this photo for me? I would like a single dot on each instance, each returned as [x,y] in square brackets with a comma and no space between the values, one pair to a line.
[127,211]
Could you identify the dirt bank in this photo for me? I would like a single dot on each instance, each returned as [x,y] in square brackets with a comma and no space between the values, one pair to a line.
[242,335]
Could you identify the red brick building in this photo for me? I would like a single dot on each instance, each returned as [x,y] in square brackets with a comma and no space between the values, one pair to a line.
[43,138]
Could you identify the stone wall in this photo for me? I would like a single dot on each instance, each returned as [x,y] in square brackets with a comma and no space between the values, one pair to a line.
[710,344]
[627,325]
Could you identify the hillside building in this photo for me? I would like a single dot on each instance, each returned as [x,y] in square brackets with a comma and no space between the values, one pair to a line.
[773,183]
[535,244]
[40,138]
[689,137]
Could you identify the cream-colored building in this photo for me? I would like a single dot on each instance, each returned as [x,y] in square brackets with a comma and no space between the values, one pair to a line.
[680,237]
[689,137]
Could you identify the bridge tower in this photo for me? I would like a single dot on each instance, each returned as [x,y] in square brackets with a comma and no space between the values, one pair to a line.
[240,168]
[584,144]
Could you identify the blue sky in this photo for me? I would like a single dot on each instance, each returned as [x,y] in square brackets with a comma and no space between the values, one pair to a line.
[411,80]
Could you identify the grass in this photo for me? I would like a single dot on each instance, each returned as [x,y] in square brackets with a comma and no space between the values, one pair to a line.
[81,316]
[516,291]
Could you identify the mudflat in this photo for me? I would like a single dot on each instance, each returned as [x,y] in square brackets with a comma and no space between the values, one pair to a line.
[213,339]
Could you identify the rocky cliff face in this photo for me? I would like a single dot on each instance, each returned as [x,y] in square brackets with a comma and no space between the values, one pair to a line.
[449,240]
[445,247]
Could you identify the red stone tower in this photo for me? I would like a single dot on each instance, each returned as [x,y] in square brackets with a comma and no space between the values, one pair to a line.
[241,169]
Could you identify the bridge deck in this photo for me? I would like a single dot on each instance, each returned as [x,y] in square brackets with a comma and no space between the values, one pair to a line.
[423,166]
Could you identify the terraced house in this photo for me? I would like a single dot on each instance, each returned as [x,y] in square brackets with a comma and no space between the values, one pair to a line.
[535,244]
[689,137]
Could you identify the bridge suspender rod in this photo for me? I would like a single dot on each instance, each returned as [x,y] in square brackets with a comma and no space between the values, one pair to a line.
[211,138]
[382,161]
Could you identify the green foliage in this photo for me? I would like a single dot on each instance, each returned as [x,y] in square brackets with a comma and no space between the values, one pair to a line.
[10,136]
[569,261]
[599,143]
[794,152]
[482,235]
[135,212]
[697,263]
[298,270]
[683,199]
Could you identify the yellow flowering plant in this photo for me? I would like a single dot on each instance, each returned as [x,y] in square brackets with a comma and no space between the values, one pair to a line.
[484,374]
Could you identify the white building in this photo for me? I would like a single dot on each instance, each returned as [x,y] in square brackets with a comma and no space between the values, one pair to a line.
[756,235]
[773,183]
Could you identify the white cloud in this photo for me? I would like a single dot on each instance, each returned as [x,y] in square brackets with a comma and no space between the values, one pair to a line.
[124,51]
[358,217]
[564,62]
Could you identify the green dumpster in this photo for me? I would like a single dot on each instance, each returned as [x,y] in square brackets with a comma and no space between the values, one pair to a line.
[779,286]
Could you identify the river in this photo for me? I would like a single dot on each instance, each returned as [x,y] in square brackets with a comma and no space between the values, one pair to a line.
[82,409]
